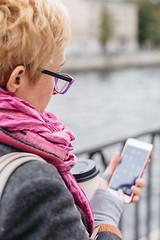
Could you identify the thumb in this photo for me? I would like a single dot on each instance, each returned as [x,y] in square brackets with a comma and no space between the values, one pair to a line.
[113,163]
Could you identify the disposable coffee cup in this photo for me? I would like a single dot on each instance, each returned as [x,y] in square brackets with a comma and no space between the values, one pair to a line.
[87,176]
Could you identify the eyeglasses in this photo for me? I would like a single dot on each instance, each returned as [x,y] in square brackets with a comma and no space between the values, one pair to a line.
[60,86]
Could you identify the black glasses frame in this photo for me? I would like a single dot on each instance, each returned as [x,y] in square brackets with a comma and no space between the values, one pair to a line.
[57,75]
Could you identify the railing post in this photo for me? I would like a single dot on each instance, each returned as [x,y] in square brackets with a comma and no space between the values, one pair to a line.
[136,221]
[149,201]
[149,195]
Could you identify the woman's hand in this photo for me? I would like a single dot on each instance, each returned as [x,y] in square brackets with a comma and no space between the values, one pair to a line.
[136,189]
[103,183]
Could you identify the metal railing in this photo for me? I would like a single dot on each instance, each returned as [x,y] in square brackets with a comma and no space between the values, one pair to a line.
[140,219]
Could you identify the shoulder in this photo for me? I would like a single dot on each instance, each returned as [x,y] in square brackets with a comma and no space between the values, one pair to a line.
[38,200]
[30,170]
[30,182]
[32,177]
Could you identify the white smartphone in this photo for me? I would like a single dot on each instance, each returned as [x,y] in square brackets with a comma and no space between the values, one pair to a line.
[134,158]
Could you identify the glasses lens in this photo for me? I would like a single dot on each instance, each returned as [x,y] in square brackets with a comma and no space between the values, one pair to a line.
[61,85]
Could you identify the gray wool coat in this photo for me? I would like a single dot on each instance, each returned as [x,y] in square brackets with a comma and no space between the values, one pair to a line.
[37,205]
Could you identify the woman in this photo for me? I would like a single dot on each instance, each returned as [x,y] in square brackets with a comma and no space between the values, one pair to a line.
[42,199]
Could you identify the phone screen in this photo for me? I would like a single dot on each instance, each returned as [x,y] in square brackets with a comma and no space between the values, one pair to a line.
[129,169]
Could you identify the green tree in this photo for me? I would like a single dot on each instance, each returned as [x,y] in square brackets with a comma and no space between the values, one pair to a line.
[106,26]
[149,22]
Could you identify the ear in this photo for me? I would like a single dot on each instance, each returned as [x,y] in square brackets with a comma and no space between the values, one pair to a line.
[15,79]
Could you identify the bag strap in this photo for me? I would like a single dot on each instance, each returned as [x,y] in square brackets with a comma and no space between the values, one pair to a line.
[10,162]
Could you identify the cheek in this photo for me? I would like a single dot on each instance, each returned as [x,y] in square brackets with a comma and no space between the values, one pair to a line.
[50,89]
[46,89]
[49,86]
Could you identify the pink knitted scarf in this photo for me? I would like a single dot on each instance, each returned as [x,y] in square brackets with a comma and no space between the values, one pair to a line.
[46,132]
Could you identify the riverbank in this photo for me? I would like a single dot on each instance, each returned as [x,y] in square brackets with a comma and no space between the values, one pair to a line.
[109,62]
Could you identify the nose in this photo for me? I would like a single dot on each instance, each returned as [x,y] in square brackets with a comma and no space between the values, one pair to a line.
[54,92]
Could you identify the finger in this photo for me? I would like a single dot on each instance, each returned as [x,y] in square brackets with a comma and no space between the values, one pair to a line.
[113,163]
[136,190]
[140,182]
[149,160]
[135,199]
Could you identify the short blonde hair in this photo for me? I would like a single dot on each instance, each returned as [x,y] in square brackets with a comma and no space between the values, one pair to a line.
[32,33]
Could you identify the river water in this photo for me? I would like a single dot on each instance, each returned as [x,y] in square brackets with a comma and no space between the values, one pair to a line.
[101,106]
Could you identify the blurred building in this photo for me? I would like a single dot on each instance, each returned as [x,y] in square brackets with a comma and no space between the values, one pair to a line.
[85,19]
